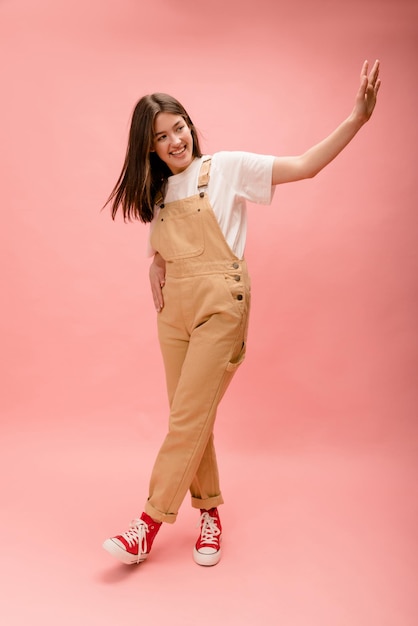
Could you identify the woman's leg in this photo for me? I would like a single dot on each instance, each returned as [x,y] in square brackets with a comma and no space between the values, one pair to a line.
[213,354]
[205,489]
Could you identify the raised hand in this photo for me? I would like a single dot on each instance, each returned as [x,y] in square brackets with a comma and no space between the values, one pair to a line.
[367,93]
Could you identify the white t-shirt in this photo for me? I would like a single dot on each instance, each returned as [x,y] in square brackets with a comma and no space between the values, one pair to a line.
[234,178]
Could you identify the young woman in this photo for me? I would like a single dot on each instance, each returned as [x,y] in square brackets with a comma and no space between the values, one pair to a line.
[201,289]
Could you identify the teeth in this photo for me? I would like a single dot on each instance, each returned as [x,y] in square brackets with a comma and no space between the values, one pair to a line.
[178,151]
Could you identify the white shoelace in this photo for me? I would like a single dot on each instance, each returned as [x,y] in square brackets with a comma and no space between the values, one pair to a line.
[137,534]
[209,531]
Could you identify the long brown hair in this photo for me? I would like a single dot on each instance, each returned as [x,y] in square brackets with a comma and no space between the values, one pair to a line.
[144,174]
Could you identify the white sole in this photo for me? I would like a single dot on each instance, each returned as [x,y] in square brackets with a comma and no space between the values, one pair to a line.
[125,557]
[207,560]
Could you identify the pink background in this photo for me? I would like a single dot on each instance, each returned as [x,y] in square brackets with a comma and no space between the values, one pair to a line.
[317,438]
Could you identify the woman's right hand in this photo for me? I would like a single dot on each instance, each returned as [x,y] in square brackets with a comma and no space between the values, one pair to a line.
[157,280]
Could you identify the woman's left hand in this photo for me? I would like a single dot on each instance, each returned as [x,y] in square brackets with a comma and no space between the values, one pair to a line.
[367,93]
[157,281]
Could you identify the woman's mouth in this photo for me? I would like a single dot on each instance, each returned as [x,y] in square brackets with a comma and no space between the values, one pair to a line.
[179,152]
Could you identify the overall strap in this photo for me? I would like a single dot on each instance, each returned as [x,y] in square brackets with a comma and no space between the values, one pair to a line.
[204,174]
[158,198]
[203,180]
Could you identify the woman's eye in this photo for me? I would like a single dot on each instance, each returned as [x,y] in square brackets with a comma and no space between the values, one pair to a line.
[161,137]
[179,128]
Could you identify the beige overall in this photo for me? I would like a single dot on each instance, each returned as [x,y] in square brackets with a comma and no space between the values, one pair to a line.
[203,331]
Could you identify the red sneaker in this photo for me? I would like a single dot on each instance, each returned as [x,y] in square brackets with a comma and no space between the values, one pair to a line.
[207,550]
[134,545]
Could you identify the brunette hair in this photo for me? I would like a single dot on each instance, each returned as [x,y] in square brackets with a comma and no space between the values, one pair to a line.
[144,174]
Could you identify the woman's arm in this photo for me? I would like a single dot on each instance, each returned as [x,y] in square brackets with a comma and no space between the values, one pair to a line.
[307,165]
[157,280]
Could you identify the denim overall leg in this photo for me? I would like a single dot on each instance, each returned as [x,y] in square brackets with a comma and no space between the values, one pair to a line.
[202,331]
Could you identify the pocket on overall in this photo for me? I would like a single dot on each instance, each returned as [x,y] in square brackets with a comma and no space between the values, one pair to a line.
[179,236]
[235,363]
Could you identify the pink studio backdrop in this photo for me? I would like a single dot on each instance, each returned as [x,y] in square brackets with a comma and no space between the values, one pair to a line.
[332,343]
[333,337]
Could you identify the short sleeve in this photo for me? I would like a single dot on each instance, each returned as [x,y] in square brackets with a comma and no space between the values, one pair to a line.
[249,174]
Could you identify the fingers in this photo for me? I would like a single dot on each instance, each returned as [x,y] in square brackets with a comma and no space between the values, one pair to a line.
[364,70]
[369,82]
[160,298]
[374,74]
[363,86]
[373,77]
[157,282]
[367,94]
[157,295]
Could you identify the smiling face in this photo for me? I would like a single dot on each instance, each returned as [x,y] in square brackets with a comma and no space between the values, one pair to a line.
[173,141]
